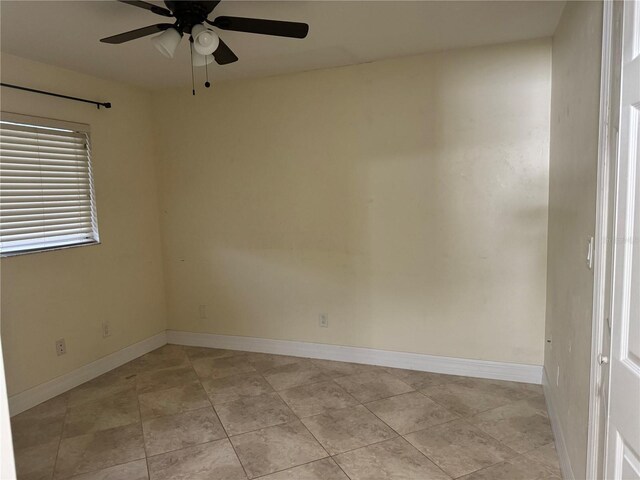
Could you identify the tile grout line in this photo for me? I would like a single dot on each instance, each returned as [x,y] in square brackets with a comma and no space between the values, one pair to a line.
[283,423]
[163,389]
[389,396]
[255,372]
[216,414]
[120,426]
[296,466]
[295,386]
[365,446]
[508,460]
[314,437]
[95,432]
[340,467]
[493,436]
[301,422]
[474,414]
[457,416]
[104,468]
[172,414]
[64,421]
[469,423]
[359,403]
[261,374]
[466,420]
[144,443]
[401,436]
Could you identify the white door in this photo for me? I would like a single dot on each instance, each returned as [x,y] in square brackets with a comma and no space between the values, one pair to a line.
[623,432]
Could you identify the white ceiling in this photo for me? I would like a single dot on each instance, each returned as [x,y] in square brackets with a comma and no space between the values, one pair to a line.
[66,33]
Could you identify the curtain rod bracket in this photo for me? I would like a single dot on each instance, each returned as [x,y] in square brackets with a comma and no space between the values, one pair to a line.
[58,95]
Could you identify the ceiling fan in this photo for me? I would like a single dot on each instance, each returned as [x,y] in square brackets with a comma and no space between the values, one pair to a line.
[190,19]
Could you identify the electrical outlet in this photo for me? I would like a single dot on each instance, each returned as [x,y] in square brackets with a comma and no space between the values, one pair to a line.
[106,329]
[202,311]
[61,347]
[323,320]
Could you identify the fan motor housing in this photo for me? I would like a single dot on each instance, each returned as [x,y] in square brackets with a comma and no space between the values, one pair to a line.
[190,13]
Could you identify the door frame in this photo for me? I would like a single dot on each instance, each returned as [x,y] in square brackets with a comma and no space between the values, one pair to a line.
[7,462]
[596,440]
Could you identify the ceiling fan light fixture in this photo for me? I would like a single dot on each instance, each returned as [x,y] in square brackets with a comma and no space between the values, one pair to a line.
[167,42]
[192,18]
[205,41]
[201,60]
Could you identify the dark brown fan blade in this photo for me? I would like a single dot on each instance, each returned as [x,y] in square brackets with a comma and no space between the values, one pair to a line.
[224,55]
[149,6]
[140,32]
[261,26]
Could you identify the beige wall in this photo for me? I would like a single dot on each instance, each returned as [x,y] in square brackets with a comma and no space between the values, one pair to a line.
[68,293]
[405,198]
[572,206]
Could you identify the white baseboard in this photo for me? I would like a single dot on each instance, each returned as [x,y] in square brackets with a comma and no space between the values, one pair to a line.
[429,363]
[30,398]
[561,445]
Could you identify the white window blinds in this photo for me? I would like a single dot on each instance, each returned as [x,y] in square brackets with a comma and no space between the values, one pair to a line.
[46,187]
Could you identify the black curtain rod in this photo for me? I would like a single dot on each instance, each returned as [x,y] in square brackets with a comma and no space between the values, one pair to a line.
[26,89]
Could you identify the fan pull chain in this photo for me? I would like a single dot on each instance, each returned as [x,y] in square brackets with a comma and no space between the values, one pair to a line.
[207,84]
[193,82]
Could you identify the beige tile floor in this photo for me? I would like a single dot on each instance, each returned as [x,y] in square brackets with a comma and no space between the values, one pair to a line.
[191,413]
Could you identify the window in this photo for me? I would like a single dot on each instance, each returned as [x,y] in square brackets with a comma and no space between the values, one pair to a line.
[46,187]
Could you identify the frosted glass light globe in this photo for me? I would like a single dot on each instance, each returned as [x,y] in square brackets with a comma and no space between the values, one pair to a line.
[205,42]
